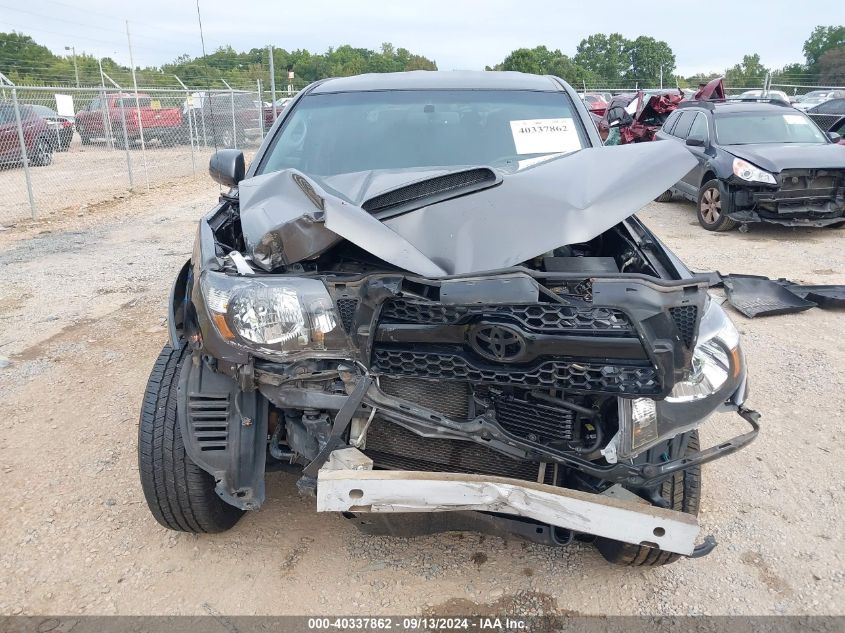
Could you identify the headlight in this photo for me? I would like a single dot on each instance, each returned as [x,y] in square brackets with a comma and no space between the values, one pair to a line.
[716,358]
[274,316]
[751,173]
[718,370]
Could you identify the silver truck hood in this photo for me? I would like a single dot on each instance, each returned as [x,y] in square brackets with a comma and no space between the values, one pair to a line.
[289,216]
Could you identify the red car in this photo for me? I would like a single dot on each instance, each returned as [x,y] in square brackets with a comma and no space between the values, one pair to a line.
[36,137]
[164,124]
[595,103]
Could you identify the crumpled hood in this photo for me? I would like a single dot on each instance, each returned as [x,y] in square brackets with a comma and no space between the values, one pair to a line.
[776,157]
[288,216]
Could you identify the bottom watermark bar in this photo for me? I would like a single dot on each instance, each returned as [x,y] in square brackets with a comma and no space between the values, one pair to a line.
[429,623]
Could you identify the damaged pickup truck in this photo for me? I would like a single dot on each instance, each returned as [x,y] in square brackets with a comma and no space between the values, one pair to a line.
[430,295]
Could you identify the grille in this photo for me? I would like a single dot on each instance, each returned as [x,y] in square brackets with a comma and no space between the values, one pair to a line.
[539,317]
[571,376]
[430,187]
[685,318]
[394,447]
[534,421]
[347,308]
[209,419]
[449,398]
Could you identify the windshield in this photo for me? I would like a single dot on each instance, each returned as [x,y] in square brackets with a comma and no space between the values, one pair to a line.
[743,128]
[330,134]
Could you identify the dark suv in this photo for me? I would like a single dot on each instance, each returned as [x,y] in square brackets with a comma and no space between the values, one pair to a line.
[757,161]
[429,293]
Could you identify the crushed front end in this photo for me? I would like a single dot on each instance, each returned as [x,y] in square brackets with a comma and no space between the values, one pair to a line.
[795,197]
[584,371]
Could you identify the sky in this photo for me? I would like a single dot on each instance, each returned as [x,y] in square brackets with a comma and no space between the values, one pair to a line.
[457,34]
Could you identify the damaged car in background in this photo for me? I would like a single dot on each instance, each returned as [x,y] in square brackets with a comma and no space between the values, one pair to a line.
[635,118]
[757,160]
[430,296]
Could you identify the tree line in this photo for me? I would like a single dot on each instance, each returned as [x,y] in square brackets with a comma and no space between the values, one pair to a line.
[605,60]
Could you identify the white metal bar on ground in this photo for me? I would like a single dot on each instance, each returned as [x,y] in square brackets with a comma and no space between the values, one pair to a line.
[411,491]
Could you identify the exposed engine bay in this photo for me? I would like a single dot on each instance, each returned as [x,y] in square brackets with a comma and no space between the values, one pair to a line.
[555,370]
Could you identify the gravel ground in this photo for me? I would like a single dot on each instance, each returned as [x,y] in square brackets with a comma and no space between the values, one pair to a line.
[88,175]
[82,302]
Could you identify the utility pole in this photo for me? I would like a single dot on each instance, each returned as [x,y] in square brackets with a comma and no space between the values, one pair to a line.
[272,81]
[661,76]
[75,67]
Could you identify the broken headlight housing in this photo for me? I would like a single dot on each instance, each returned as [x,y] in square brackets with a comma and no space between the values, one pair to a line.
[717,375]
[273,316]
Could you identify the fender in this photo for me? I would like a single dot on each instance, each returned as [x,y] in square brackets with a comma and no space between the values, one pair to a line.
[176,307]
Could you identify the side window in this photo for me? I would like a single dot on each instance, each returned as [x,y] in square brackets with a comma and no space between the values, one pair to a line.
[683,125]
[834,106]
[699,127]
[670,122]
[94,105]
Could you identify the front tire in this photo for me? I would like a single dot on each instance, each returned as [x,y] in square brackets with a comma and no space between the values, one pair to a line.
[179,493]
[683,491]
[713,208]
[42,154]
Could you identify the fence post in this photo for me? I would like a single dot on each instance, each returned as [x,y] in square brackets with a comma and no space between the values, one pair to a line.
[125,134]
[104,109]
[272,83]
[261,108]
[189,104]
[22,142]
[234,129]
[138,107]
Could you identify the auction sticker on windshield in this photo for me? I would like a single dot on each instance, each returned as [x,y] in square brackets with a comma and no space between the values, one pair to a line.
[543,136]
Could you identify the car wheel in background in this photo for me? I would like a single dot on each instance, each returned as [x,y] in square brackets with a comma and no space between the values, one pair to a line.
[86,140]
[666,196]
[42,153]
[178,492]
[713,208]
[227,139]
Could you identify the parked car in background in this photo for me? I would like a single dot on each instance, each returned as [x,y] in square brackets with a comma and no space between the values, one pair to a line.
[105,118]
[827,113]
[816,97]
[596,103]
[36,135]
[635,117]
[280,104]
[762,94]
[757,162]
[61,127]
[229,119]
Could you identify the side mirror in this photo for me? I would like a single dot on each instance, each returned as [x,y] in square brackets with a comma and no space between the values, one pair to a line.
[227,167]
[696,141]
[834,137]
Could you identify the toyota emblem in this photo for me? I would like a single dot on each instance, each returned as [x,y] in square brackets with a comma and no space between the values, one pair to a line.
[497,342]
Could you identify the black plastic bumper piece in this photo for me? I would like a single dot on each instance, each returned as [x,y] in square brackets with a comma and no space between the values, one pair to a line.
[654,473]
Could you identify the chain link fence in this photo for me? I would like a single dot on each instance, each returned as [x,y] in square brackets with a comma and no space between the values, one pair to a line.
[64,148]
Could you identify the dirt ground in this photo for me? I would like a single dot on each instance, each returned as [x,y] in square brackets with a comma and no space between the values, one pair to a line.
[87,175]
[82,306]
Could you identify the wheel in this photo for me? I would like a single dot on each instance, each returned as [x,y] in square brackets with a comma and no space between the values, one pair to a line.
[683,491]
[666,196]
[42,153]
[227,138]
[713,208]
[86,140]
[178,492]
